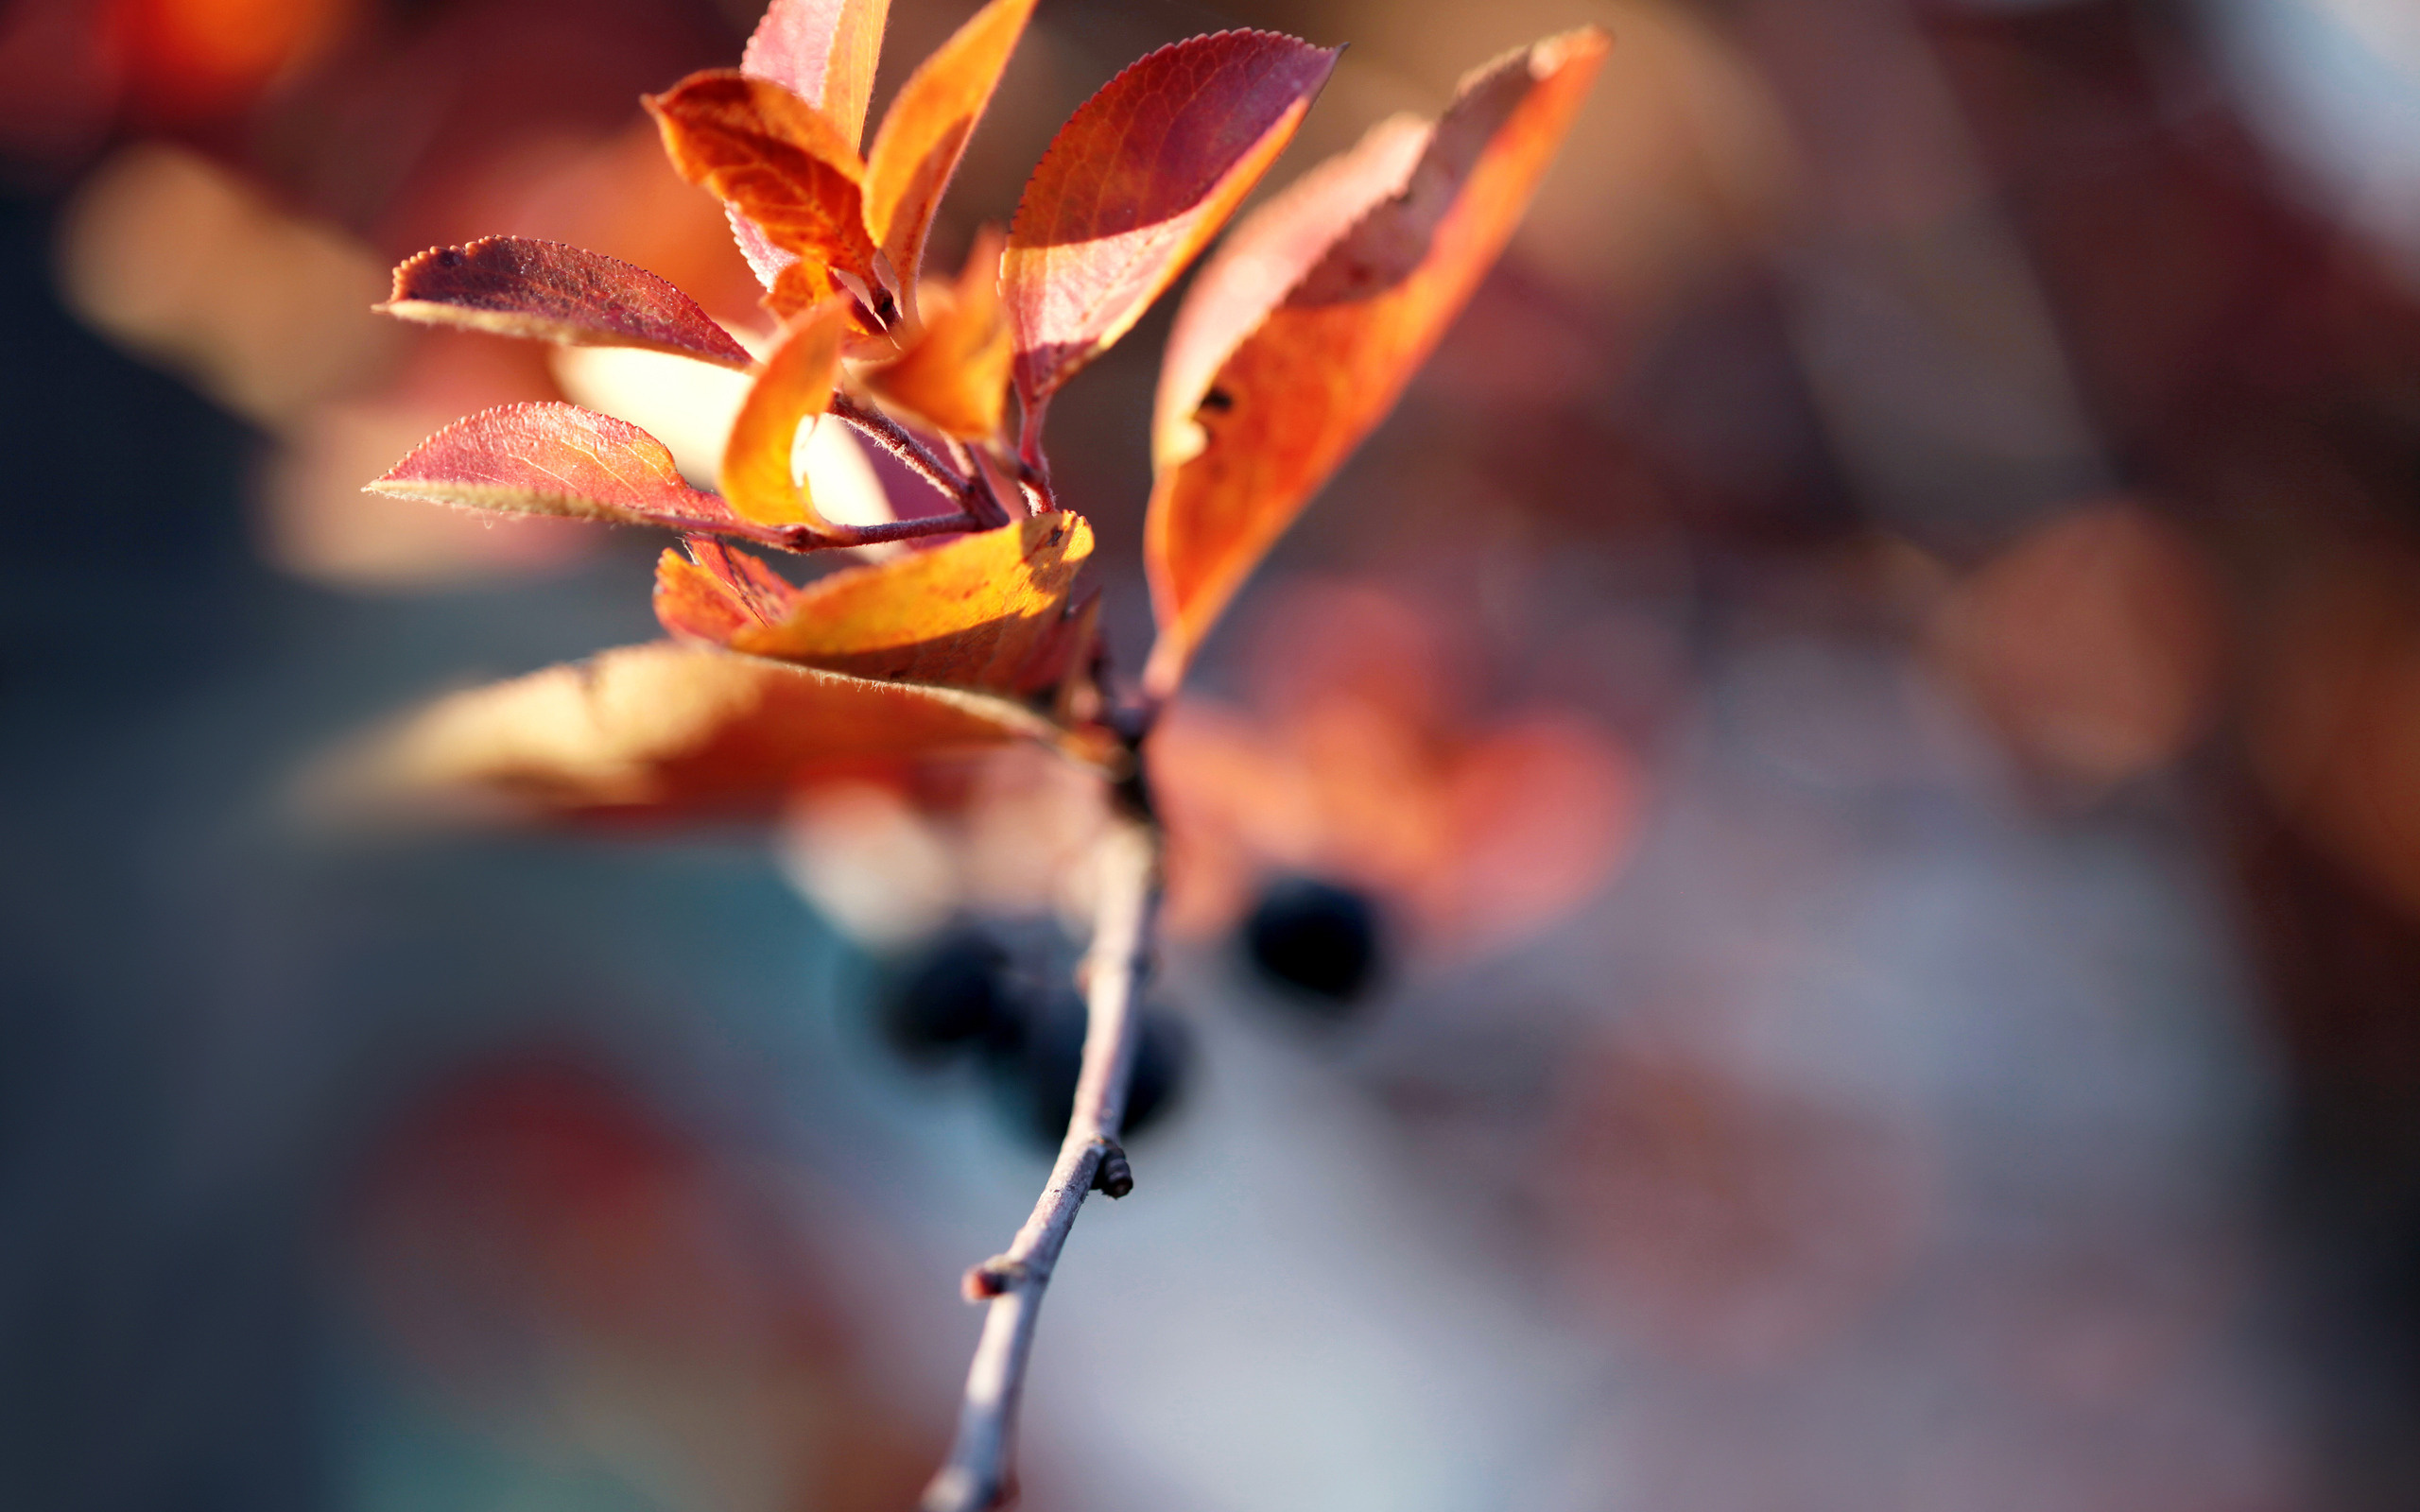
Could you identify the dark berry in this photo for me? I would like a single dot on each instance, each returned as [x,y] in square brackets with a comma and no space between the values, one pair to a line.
[1034,1073]
[951,995]
[1316,939]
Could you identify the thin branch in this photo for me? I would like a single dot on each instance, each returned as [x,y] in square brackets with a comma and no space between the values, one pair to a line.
[901,443]
[979,1474]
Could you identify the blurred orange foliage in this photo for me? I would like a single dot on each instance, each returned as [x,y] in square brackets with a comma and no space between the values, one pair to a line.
[1361,759]
[2095,643]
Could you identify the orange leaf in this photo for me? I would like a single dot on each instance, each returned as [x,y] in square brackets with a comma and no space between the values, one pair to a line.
[549,292]
[1263,258]
[757,478]
[658,729]
[954,376]
[716,593]
[560,459]
[1140,177]
[780,162]
[984,612]
[1302,335]
[924,131]
[823,51]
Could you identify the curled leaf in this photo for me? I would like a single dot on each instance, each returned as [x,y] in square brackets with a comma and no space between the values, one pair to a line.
[757,478]
[924,134]
[548,291]
[954,376]
[823,51]
[1302,335]
[780,164]
[985,611]
[661,730]
[1140,177]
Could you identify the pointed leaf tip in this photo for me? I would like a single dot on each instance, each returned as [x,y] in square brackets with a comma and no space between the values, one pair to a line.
[548,291]
[1137,181]
[925,131]
[1300,337]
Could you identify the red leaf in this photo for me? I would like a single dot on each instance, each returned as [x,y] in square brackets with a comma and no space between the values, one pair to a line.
[823,51]
[780,162]
[560,459]
[925,132]
[1138,179]
[549,292]
[1303,333]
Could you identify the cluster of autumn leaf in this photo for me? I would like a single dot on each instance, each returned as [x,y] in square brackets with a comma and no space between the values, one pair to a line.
[1294,341]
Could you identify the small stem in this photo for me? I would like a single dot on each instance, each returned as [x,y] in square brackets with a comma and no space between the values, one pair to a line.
[986,502]
[896,440]
[1036,487]
[1033,465]
[978,1475]
[938,524]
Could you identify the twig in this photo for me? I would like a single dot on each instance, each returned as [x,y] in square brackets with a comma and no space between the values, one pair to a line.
[901,443]
[977,1474]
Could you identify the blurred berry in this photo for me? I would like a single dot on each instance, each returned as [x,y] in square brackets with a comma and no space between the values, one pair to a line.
[1316,939]
[953,994]
[1034,1073]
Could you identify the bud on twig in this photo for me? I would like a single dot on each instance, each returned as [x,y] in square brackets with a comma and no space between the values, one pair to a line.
[1112,1175]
